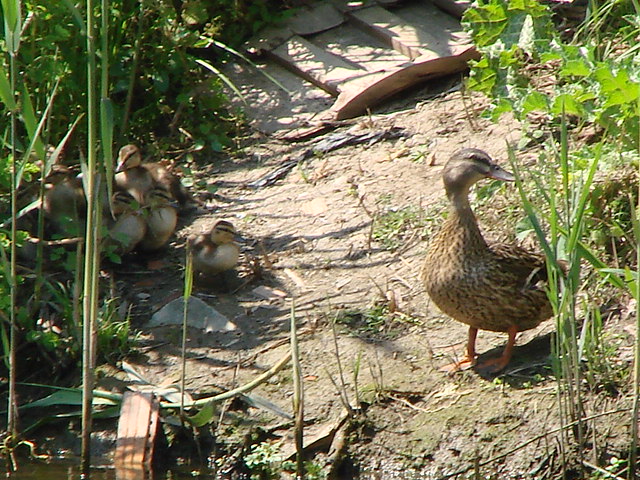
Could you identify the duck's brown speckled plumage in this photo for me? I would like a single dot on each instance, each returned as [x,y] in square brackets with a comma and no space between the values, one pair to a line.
[497,287]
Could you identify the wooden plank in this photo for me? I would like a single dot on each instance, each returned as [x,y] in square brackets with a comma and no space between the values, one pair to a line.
[137,428]
[350,5]
[310,20]
[312,63]
[359,48]
[268,38]
[453,7]
[365,92]
[392,30]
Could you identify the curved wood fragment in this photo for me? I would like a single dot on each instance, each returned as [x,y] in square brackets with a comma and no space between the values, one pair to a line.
[357,95]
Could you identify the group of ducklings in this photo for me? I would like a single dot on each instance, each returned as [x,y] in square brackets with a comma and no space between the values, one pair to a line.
[142,214]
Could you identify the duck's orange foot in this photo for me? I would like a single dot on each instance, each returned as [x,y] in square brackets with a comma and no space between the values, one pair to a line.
[494,365]
[464,364]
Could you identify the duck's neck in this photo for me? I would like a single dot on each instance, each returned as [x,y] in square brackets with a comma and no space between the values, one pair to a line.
[462,223]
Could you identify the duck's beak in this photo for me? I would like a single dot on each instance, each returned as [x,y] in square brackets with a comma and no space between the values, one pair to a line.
[499,173]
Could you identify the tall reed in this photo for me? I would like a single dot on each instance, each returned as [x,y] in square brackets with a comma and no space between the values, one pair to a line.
[92,239]
[565,195]
[635,291]
[12,12]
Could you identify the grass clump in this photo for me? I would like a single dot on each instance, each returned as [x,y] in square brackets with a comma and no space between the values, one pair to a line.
[394,227]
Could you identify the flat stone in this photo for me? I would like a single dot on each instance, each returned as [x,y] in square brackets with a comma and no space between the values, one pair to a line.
[199,315]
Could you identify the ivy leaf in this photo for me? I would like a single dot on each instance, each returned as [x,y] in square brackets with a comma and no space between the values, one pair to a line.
[535,101]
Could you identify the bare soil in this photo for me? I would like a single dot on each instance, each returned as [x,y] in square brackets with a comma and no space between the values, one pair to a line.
[309,239]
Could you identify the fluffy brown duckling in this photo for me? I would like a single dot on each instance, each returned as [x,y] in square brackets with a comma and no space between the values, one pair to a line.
[139,178]
[64,202]
[129,227]
[216,252]
[498,287]
[161,218]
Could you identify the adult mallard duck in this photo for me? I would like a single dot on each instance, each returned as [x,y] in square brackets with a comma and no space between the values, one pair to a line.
[498,287]
[216,252]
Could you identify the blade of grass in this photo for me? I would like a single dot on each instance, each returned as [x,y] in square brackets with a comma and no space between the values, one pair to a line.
[188,287]
[222,77]
[298,395]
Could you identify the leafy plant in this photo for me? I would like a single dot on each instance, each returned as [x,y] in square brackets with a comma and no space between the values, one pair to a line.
[264,460]
[528,70]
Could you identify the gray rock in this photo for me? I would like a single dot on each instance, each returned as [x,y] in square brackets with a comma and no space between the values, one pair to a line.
[199,315]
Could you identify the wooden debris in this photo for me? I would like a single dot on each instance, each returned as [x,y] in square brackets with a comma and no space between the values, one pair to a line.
[453,7]
[433,49]
[393,31]
[295,277]
[318,437]
[268,293]
[321,17]
[137,430]
[323,69]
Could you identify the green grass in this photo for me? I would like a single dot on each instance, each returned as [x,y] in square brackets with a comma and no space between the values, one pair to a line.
[393,227]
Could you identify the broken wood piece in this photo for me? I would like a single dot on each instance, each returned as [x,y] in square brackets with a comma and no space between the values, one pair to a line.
[268,293]
[297,279]
[409,40]
[137,428]
[324,69]
[365,92]
[317,437]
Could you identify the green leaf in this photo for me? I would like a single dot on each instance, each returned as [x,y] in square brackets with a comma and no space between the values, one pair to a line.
[6,94]
[66,397]
[222,77]
[566,103]
[577,67]
[618,88]
[30,121]
[77,16]
[204,416]
[535,101]
[11,10]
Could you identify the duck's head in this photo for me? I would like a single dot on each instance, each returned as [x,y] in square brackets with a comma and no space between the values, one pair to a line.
[223,232]
[129,156]
[123,202]
[159,197]
[466,167]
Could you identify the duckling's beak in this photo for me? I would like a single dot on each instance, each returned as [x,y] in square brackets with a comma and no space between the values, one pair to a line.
[499,173]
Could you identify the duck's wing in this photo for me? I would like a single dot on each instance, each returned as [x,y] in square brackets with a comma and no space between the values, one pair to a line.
[528,268]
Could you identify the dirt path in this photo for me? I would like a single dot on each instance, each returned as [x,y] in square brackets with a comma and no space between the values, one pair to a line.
[311,235]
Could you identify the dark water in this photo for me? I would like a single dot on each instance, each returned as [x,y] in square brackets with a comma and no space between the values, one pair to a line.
[70,470]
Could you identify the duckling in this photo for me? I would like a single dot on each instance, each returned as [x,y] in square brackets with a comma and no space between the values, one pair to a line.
[498,287]
[161,219]
[64,202]
[139,178]
[216,251]
[131,176]
[129,227]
